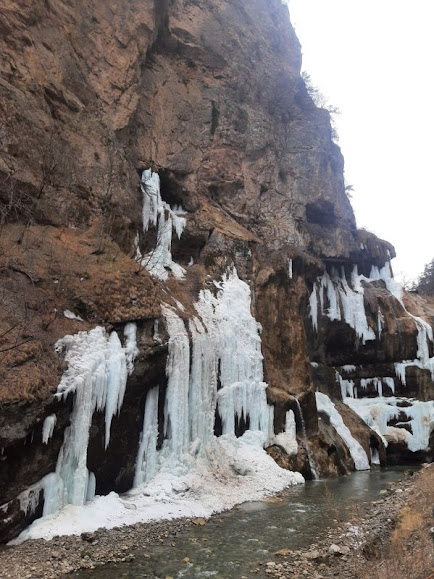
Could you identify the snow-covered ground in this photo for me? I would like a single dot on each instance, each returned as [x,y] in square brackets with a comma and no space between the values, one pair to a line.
[236,470]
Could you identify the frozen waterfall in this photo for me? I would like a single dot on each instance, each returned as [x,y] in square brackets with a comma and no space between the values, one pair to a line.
[96,376]
[224,377]
[214,369]
[158,213]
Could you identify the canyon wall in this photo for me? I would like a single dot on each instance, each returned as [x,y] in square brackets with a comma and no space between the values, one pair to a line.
[96,102]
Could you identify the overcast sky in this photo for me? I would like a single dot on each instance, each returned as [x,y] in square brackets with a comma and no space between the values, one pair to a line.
[374,60]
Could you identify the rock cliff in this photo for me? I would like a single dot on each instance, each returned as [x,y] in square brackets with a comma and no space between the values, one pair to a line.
[209,96]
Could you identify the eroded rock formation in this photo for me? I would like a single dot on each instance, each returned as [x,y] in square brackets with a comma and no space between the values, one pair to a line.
[209,95]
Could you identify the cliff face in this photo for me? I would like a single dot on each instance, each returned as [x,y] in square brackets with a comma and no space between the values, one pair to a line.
[210,96]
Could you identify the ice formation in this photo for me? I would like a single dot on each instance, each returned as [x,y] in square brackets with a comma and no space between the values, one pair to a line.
[224,376]
[340,301]
[334,297]
[48,428]
[158,213]
[424,330]
[417,415]
[71,316]
[356,388]
[214,367]
[324,404]
[287,439]
[96,376]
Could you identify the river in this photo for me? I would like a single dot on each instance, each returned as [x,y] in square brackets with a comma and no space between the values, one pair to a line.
[235,543]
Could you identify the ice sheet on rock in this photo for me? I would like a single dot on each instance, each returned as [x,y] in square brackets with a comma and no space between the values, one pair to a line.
[48,428]
[324,404]
[158,213]
[379,412]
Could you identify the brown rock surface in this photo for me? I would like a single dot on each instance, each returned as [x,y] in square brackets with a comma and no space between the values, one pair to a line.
[210,95]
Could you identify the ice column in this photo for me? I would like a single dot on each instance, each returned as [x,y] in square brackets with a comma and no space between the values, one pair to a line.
[147,458]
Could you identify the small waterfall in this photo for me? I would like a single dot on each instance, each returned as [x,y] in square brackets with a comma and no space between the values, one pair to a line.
[303,440]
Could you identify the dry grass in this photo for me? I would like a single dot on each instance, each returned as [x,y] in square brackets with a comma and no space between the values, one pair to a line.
[409,553]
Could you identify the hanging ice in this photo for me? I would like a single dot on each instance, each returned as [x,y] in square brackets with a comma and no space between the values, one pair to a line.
[158,213]
[214,366]
[339,301]
[379,412]
[48,428]
[324,404]
[96,376]
[224,376]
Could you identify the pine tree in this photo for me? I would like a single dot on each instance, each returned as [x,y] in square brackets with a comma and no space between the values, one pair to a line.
[426,279]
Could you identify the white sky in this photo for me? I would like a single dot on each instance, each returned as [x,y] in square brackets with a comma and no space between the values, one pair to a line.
[374,60]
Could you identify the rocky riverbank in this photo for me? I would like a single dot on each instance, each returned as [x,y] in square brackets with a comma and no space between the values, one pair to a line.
[394,537]
[360,546]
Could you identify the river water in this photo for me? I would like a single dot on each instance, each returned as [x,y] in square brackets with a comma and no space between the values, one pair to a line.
[232,544]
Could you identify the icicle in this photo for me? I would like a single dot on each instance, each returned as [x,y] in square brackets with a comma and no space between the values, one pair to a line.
[48,428]
[313,307]
[176,404]
[290,272]
[380,322]
[151,198]
[96,375]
